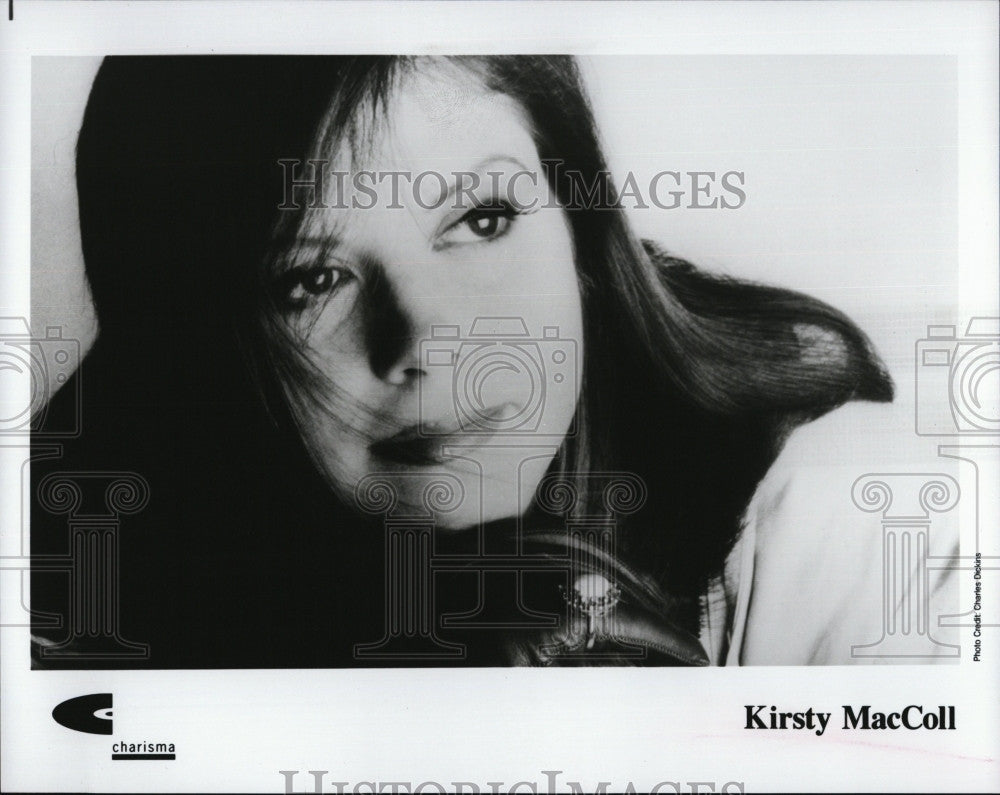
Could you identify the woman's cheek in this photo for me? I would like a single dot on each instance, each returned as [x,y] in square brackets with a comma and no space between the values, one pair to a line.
[336,339]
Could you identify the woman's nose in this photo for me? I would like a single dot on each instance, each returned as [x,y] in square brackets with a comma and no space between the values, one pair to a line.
[392,329]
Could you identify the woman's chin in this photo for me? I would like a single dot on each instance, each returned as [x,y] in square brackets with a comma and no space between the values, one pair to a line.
[461,521]
[457,494]
[461,503]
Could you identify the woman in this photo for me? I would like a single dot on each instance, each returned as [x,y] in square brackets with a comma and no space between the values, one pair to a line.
[271,303]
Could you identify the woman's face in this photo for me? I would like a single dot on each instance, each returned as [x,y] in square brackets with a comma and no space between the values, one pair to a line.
[446,317]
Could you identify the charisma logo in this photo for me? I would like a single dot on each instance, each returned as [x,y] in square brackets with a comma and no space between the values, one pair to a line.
[91,714]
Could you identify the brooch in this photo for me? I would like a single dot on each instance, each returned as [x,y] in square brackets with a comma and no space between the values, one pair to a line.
[595,597]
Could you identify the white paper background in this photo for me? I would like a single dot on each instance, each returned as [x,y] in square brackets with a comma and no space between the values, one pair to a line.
[235,730]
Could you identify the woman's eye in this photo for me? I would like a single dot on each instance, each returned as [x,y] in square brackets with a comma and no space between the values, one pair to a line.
[484,223]
[487,224]
[299,286]
[319,280]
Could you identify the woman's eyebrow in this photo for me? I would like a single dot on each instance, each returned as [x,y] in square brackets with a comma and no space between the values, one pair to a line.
[480,168]
[312,247]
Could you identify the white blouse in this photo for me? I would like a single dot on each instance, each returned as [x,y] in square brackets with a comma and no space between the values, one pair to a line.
[816,580]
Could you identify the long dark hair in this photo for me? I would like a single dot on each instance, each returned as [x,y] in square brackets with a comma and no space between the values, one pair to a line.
[691,381]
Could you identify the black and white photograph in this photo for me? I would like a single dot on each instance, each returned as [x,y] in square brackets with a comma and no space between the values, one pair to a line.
[379,379]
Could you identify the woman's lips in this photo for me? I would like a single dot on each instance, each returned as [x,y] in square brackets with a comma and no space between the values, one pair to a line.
[409,446]
[419,445]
